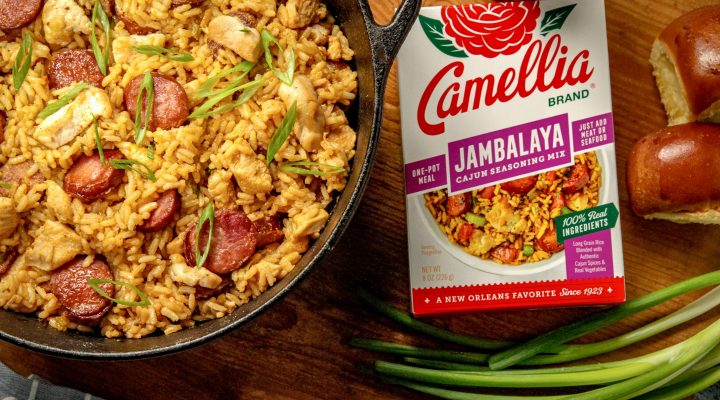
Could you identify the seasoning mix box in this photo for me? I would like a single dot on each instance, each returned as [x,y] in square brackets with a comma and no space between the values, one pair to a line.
[509,155]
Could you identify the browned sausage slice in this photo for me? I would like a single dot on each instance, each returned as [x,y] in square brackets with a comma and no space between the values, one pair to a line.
[89,179]
[520,186]
[248,19]
[69,284]
[133,27]
[18,13]
[269,230]
[170,104]
[71,66]
[168,204]
[6,260]
[18,174]
[579,177]
[548,241]
[176,3]
[234,240]
[458,204]
[505,254]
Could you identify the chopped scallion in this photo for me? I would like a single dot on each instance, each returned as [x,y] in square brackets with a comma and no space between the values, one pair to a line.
[53,107]
[172,55]
[101,153]
[249,88]
[208,215]
[132,165]
[281,133]
[286,77]
[101,56]
[151,152]
[22,61]
[205,89]
[147,85]
[302,168]
[95,285]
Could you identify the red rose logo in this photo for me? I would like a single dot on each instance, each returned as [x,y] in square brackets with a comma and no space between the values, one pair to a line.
[491,29]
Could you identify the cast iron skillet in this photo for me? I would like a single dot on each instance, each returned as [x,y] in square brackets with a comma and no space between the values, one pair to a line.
[375,47]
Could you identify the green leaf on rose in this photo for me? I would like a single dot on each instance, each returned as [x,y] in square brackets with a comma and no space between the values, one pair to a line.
[433,29]
[555,18]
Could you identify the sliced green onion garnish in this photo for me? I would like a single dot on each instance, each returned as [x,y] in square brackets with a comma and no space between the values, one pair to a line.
[250,89]
[52,108]
[286,77]
[301,167]
[475,219]
[528,250]
[151,152]
[147,85]
[102,57]
[132,165]
[205,89]
[95,285]
[208,215]
[22,61]
[281,133]
[5,185]
[101,153]
[172,55]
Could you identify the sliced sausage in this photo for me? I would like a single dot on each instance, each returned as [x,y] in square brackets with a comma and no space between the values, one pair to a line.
[548,241]
[18,13]
[168,204]
[72,66]
[458,204]
[170,104]
[487,192]
[18,174]
[465,233]
[177,3]
[505,254]
[233,241]
[269,230]
[520,186]
[69,284]
[133,27]
[248,19]
[579,177]
[6,260]
[89,179]
[558,201]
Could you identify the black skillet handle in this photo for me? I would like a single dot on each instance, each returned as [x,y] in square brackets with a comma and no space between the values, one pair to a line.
[386,40]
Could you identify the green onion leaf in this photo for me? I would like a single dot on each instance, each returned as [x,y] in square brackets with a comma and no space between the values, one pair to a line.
[147,85]
[151,152]
[22,61]
[286,77]
[208,215]
[101,153]
[475,219]
[250,89]
[5,185]
[172,55]
[301,168]
[281,133]
[102,57]
[205,89]
[132,165]
[53,107]
[95,285]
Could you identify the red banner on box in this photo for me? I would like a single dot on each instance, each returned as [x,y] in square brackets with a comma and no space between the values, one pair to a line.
[518,295]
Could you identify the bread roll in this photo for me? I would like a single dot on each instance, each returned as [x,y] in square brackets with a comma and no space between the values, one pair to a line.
[674,174]
[686,64]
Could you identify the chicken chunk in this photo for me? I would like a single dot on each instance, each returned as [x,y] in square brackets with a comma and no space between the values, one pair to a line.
[309,221]
[62,19]
[301,13]
[54,245]
[122,46]
[71,120]
[59,202]
[221,188]
[24,173]
[203,277]
[9,218]
[233,33]
[252,175]
[310,120]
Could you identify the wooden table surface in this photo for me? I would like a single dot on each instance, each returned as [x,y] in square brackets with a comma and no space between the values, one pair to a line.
[298,349]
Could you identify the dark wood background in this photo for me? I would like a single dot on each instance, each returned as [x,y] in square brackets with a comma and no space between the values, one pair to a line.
[298,350]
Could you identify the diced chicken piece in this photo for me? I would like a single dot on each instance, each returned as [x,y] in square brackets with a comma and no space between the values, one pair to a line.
[54,245]
[309,221]
[317,34]
[252,175]
[300,13]
[9,218]
[231,32]
[480,243]
[310,119]
[62,19]
[71,120]
[122,46]
[59,202]
[221,188]
[191,276]
[9,51]
[500,216]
